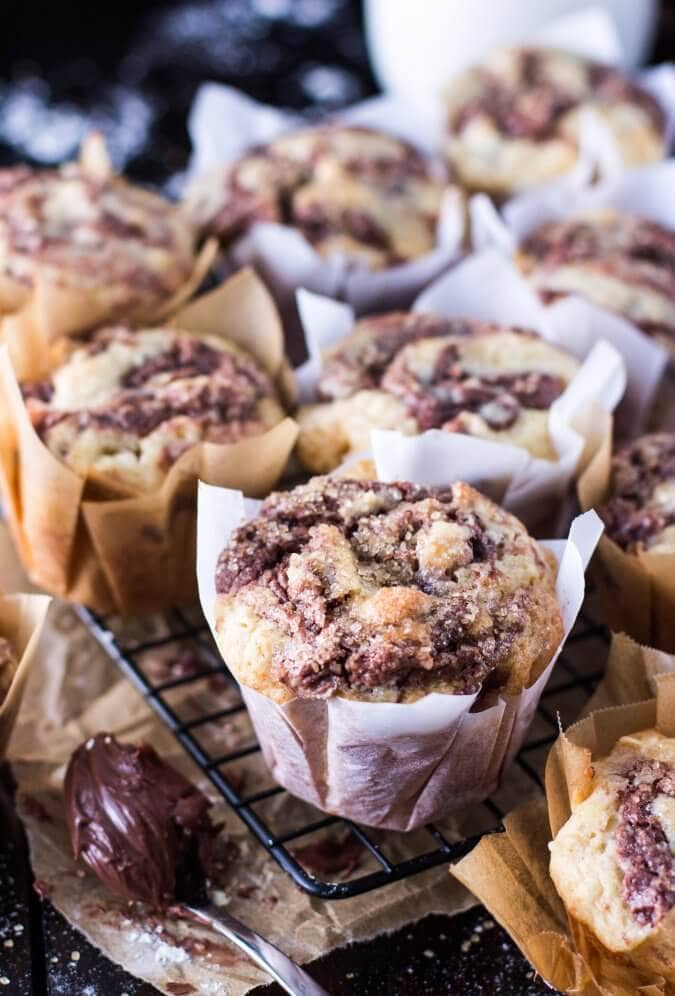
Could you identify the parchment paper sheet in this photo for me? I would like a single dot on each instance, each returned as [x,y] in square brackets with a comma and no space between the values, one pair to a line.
[74,691]
[441,753]
[128,552]
[509,872]
[30,324]
[531,488]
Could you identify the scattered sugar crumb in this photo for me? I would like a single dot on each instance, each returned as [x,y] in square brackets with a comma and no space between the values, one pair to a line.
[74,955]
[428,953]
[9,943]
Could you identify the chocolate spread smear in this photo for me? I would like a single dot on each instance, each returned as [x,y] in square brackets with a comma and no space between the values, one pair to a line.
[642,846]
[133,818]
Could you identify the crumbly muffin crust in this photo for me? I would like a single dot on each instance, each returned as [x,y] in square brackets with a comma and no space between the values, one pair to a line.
[620,261]
[613,862]
[639,513]
[127,403]
[513,120]
[84,231]
[7,667]
[413,372]
[384,592]
[345,188]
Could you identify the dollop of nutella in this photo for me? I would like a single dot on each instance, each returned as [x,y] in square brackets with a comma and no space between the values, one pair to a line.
[134,819]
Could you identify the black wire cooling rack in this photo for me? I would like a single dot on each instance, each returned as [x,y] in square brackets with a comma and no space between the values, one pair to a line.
[572,681]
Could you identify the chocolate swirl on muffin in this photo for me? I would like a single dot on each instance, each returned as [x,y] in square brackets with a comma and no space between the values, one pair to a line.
[639,513]
[619,261]
[127,404]
[414,372]
[88,231]
[346,189]
[513,120]
[384,592]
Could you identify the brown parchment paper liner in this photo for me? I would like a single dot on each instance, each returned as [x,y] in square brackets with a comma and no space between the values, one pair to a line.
[390,765]
[509,872]
[31,321]
[631,674]
[636,591]
[131,553]
[22,619]
[74,691]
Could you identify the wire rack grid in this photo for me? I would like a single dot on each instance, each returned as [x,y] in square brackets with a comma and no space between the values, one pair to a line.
[184,630]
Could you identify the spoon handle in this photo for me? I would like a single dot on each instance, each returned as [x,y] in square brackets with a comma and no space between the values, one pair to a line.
[290,976]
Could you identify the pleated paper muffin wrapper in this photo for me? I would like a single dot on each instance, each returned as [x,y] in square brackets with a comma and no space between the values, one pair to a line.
[56,308]
[224,124]
[636,591]
[509,872]
[580,419]
[22,618]
[135,553]
[390,765]
[647,192]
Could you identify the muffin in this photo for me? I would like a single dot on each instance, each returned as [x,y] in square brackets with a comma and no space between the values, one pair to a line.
[8,666]
[513,121]
[412,372]
[619,261]
[125,405]
[613,861]
[89,234]
[639,513]
[346,189]
[384,593]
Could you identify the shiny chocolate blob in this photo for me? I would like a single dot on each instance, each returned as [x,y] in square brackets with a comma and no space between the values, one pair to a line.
[134,819]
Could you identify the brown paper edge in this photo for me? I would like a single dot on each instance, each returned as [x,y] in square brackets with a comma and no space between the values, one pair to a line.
[22,618]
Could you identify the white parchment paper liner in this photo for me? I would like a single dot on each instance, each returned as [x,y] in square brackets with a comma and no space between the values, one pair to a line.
[224,123]
[648,192]
[579,420]
[389,764]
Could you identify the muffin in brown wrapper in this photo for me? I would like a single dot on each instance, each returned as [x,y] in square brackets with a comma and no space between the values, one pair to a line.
[80,246]
[635,581]
[375,691]
[91,538]
[21,620]
[510,872]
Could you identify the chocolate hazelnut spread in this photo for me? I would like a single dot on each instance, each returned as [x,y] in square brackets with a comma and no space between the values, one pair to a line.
[421,544]
[133,818]
[635,513]
[643,849]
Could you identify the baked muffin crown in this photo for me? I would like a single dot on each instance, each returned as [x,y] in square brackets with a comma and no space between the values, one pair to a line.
[346,188]
[126,404]
[414,371]
[384,592]
[639,513]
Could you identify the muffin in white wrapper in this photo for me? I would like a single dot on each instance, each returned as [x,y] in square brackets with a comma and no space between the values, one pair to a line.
[224,124]
[579,420]
[391,764]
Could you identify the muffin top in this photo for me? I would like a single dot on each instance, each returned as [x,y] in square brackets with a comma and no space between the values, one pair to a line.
[619,842]
[413,372]
[384,592]
[519,109]
[7,667]
[126,404]
[84,229]
[620,261]
[347,189]
[639,513]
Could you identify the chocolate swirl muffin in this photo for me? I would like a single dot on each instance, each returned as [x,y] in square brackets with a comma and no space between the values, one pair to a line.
[384,593]
[639,513]
[513,121]
[8,665]
[620,261]
[126,404]
[85,230]
[347,189]
[412,372]
[613,862]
